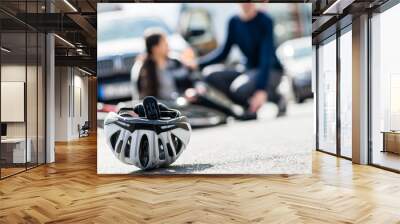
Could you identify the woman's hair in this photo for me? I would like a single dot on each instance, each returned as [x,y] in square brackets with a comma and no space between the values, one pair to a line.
[149,83]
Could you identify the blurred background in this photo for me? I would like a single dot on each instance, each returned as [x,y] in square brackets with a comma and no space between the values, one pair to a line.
[199,28]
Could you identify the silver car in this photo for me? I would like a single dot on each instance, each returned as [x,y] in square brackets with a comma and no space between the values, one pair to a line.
[296,57]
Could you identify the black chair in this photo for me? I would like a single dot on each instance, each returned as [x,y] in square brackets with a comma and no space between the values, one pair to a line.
[84,130]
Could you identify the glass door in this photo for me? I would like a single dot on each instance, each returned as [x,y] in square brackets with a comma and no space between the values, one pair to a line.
[22,77]
[327,96]
[14,155]
[385,89]
[32,98]
[346,93]
[41,97]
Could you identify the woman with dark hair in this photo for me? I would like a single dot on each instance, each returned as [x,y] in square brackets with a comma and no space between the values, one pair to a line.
[155,78]
[158,71]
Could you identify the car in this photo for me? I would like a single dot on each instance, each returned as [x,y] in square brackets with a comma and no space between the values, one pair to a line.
[296,58]
[204,26]
[120,40]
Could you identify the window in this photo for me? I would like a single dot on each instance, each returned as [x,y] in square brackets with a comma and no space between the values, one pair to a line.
[327,96]
[385,89]
[346,94]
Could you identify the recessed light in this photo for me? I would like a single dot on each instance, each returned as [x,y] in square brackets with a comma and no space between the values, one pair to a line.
[64,40]
[84,71]
[70,5]
[5,50]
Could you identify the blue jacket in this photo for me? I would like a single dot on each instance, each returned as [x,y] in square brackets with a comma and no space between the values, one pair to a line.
[255,38]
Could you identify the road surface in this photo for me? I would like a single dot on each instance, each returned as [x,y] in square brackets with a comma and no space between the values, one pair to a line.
[264,146]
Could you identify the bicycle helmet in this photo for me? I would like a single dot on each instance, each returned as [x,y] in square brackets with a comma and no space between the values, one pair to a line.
[155,138]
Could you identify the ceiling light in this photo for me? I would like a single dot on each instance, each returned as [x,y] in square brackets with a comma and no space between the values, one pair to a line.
[84,71]
[333,6]
[64,40]
[70,5]
[5,50]
[337,7]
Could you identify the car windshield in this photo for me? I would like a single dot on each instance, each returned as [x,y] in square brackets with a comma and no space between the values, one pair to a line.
[127,28]
[302,52]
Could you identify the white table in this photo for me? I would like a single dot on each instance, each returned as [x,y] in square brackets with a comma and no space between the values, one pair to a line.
[18,145]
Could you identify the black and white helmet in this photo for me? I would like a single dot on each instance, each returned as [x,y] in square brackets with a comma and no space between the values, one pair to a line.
[156,138]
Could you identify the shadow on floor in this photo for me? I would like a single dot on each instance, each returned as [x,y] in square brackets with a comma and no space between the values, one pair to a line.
[176,169]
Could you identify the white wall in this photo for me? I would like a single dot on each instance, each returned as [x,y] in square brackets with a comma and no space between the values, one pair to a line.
[14,73]
[80,97]
[71,94]
[61,103]
[17,73]
[33,105]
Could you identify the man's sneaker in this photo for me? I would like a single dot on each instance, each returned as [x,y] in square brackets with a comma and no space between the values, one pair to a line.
[282,107]
[247,116]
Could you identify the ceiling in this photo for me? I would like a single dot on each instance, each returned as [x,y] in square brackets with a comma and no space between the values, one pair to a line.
[75,22]
[331,15]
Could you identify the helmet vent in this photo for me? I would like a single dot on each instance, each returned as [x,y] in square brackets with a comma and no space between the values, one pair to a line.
[144,151]
[128,147]
[170,152]
[161,149]
[177,143]
[114,138]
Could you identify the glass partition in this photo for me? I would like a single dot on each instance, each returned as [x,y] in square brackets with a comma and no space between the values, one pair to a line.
[41,97]
[327,96]
[13,94]
[32,97]
[385,89]
[22,77]
[346,94]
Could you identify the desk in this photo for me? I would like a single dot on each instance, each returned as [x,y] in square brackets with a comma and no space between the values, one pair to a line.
[391,141]
[15,148]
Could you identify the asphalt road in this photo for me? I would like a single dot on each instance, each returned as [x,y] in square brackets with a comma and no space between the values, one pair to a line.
[264,146]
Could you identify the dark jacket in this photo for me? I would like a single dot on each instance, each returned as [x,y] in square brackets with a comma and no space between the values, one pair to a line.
[255,38]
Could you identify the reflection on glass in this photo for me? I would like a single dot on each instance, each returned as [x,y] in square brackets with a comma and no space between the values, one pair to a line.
[31,97]
[394,102]
[385,83]
[346,94]
[41,99]
[14,153]
[22,90]
[327,97]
